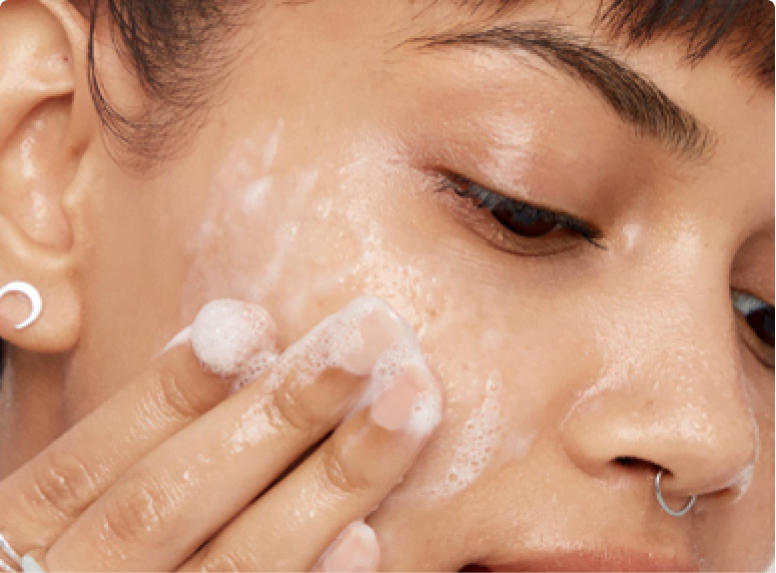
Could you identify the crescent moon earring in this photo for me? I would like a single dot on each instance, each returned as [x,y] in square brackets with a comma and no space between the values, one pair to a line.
[32,295]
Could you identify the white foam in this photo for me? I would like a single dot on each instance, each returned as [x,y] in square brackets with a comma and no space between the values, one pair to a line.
[228,333]
[328,345]
[255,367]
[477,445]
[334,342]
[426,413]
[183,337]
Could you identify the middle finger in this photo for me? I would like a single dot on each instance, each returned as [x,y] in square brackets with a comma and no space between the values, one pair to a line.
[186,490]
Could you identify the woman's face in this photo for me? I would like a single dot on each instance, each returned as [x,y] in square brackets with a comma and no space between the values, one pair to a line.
[578,357]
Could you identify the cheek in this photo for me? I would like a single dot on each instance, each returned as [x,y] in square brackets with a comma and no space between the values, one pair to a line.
[509,387]
[255,230]
[305,242]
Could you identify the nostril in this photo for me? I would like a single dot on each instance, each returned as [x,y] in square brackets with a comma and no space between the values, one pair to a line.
[636,464]
[474,567]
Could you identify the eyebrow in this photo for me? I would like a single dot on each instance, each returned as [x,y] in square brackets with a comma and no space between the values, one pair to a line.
[635,98]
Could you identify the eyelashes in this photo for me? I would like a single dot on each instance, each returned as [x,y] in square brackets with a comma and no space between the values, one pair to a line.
[525,222]
[759,315]
[523,229]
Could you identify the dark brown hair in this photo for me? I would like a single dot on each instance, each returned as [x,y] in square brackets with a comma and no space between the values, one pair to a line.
[173,48]
[171,45]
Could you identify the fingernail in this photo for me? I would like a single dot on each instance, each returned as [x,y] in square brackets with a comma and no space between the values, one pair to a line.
[379,329]
[356,549]
[29,565]
[227,333]
[411,403]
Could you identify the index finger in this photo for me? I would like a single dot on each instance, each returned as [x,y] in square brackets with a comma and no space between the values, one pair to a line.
[44,497]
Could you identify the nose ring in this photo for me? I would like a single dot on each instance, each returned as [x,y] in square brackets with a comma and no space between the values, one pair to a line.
[662,502]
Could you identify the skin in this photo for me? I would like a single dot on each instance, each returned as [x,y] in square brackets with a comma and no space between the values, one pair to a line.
[318,170]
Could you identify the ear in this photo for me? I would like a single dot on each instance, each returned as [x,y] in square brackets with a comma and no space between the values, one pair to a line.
[46,123]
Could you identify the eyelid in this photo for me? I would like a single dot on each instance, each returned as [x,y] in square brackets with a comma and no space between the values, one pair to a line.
[459,184]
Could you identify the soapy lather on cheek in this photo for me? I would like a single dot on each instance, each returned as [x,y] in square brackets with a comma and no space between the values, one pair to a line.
[238,203]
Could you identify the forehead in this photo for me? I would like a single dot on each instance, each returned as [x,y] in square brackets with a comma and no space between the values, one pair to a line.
[743,31]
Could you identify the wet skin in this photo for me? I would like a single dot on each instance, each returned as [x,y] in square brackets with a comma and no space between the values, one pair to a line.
[332,167]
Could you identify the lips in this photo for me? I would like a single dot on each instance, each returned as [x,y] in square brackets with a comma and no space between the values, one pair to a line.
[593,560]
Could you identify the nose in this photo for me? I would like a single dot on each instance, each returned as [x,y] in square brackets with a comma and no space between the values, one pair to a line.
[672,395]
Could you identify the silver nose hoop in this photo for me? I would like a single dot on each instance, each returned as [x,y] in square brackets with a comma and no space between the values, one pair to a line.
[664,505]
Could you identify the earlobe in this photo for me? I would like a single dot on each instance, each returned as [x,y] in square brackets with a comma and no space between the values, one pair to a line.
[45,127]
[33,297]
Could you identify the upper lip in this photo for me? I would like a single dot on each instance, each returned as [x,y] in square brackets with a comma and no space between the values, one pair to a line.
[610,559]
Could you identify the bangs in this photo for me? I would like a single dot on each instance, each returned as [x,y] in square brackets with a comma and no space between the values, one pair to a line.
[741,29]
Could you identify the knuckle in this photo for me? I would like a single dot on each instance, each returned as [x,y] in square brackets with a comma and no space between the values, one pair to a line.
[230,562]
[140,510]
[340,475]
[290,407]
[175,397]
[64,483]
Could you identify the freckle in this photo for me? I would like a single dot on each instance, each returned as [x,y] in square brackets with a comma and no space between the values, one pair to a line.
[58,61]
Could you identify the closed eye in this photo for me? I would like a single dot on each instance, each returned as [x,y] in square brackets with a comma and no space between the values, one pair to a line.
[523,221]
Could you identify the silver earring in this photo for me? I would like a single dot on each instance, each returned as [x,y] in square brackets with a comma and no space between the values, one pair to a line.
[32,295]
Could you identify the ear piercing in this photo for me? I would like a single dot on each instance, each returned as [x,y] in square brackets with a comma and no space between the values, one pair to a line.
[32,295]
[662,502]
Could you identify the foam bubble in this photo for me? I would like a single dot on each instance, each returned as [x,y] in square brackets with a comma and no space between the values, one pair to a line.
[228,333]
[256,367]
[365,338]
[478,442]
[337,342]
[183,337]
[426,413]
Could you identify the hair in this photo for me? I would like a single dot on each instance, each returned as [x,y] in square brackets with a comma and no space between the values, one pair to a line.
[168,44]
[743,28]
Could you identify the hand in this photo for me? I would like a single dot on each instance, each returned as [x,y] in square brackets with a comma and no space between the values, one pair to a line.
[173,473]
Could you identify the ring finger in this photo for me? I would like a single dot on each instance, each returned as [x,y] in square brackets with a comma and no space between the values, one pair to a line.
[174,499]
[42,499]
[342,482]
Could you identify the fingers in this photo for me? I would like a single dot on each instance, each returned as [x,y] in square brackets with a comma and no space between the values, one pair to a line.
[343,481]
[187,489]
[44,498]
[355,550]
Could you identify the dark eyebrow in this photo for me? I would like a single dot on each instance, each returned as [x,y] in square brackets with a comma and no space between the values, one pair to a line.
[635,98]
